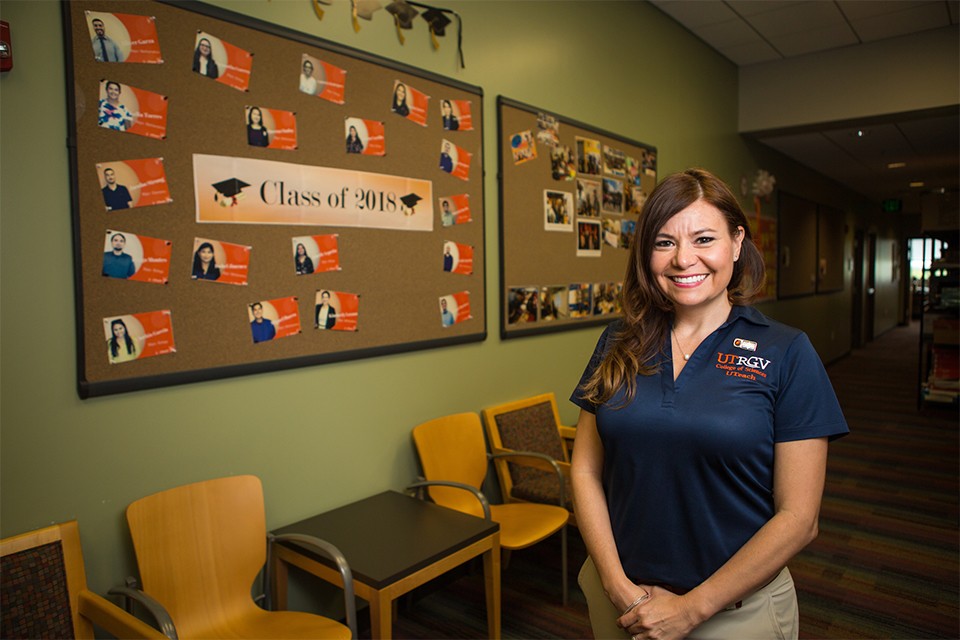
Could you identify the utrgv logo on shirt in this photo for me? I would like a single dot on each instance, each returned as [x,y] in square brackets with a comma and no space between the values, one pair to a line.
[749,367]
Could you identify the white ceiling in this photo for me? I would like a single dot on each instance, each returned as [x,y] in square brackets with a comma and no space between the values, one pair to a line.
[754,31]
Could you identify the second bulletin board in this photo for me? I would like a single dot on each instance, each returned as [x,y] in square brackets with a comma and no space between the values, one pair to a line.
[241,141]
[570,196]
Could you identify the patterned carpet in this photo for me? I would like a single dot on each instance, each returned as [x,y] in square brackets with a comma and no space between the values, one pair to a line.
[884,566]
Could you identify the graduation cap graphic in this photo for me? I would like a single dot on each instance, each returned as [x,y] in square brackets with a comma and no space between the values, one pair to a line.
[437,20]
[403,13]
[409,203]
[364,9]
[229,192]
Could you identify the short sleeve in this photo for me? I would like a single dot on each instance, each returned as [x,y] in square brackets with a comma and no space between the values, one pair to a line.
[806,405]
[598,352]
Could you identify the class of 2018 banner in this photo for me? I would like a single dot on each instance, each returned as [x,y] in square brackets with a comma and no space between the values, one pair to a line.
[132,110]
[323,253]
[143,182]
[254,191]
[139,335]
[233,64]
[281,128]
[148,258]
[125,37]
[410,103]
[229,264]
[280,318]
[365,136]
[458,258]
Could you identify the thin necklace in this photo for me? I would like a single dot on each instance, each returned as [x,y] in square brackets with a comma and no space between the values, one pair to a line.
[686,356]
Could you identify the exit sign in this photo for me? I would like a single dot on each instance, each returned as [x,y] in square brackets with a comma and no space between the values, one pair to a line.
[892,205]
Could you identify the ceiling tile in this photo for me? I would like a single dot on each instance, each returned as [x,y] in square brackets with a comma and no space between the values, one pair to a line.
[822,39]
[751,53]
[695,13]
[726,34]
[794,18]
[860,9]
[910,20]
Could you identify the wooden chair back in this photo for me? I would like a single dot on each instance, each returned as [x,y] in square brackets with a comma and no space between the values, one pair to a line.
[452,448]
[199,549]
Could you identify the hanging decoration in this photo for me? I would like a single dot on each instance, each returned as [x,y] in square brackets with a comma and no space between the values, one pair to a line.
[364,9]
[403,15]
[317,9]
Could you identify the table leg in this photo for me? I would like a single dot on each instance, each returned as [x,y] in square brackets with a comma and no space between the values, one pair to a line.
[278,585]
[491,576]
[381,616]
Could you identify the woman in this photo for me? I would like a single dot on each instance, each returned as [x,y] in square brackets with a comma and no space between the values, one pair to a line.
[257,135]
[205,263]
[701,447]
[450,121]
[308,84]
[400,100]
[121,347]
[354,143]
[112,114]
[302,261]
[203,62]
[326,315]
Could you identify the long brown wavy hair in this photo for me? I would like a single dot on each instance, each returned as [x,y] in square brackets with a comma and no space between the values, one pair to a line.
[637,346]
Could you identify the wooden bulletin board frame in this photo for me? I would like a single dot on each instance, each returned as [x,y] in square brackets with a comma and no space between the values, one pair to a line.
[398,276]
[541,260]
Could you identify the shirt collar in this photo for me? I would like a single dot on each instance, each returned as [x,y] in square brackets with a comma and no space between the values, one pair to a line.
[749,314]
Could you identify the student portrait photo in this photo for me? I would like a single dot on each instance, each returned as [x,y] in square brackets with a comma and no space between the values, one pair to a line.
[121,345]
[261,328]
[118,261]
[112,112]
[399,105]
[447,216]
[204,61]
[354,143]
[447,319]
[115,195]
[308,82]
[450,120]
[324,312]
[205,263]
[105,47]
[257,135]
[448,157]
[301,260]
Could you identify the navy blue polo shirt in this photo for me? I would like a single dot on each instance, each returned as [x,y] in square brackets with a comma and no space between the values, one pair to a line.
[688,464]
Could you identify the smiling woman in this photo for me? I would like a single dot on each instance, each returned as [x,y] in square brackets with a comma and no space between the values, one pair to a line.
[696,545]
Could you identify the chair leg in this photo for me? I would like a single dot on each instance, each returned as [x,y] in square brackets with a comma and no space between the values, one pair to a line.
[563,561]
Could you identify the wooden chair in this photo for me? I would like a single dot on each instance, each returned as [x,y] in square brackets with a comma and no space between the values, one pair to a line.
[454,460]
[531,424]
[199,550]
[44,590]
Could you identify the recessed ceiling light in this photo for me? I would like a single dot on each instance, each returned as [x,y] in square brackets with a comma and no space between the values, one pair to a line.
[896,165]
[917,183]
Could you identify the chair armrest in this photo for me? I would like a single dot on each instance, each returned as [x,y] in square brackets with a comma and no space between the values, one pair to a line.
[456,485]
[132,594]
[112,618]
[567,433]
[539,461]
[328,550]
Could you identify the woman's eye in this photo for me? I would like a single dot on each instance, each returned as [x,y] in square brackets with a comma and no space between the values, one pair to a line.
[663,244]
[704,240]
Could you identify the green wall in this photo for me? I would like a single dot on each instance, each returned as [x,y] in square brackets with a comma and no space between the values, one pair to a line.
[323,436]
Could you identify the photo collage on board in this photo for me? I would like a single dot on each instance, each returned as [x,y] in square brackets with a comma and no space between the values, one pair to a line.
[597,194]
[223,193]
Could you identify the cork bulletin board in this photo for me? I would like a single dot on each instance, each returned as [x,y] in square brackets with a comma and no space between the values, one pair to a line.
[570,196]
[248,198]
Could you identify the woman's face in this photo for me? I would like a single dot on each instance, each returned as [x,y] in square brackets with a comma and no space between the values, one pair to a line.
[301,250]
[307,68]
[204,47]
[255,116]
[353,132]
[693,257]
[325,298]
[445,108]
[206,255]
[113,92]
[119,331]
[401,94]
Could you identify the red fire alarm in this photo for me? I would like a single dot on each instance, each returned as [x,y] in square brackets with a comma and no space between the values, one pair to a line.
[6,47]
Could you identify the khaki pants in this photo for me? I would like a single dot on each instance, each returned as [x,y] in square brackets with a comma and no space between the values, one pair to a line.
[767,614]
